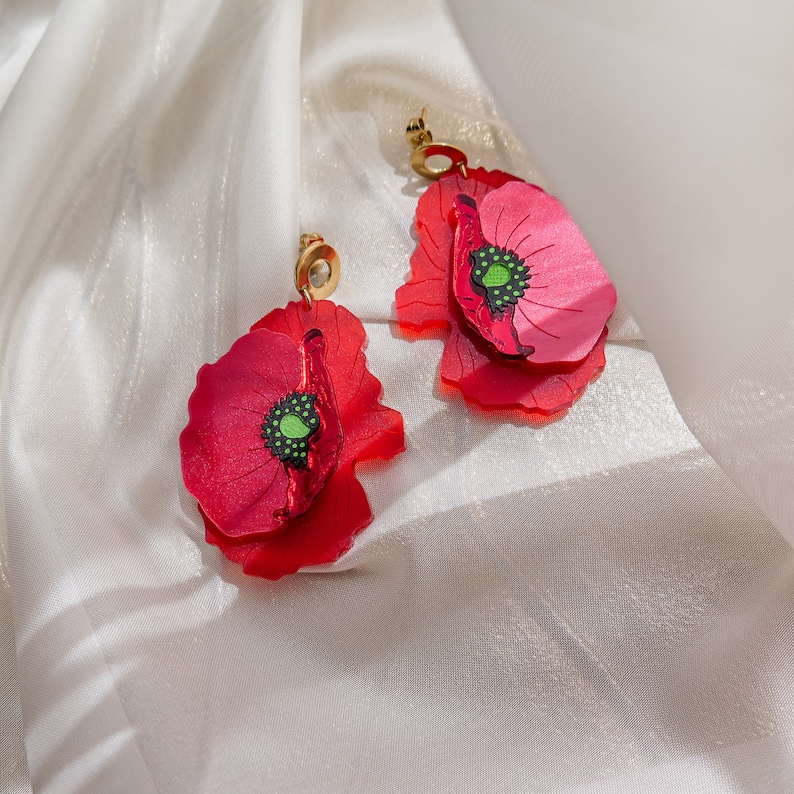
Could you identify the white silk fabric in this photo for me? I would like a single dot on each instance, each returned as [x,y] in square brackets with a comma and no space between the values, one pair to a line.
[587,605]
[668,132]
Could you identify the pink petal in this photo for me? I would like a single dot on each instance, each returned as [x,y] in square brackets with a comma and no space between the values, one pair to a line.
[237,481]
[570,296]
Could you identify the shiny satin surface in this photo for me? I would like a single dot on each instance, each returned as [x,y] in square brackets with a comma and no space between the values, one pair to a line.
[669,129]
[585,605]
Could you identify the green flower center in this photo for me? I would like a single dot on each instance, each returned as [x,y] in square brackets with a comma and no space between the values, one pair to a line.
[496,275]
[292,426]
[289,426]
[500,275]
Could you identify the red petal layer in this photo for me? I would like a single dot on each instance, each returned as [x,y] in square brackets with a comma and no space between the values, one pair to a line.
[469,363]
[369,430]
[498,383]
[321,535]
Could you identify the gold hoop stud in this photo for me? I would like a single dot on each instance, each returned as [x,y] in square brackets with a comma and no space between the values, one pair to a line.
[457,159]
[317,269]
[419,136]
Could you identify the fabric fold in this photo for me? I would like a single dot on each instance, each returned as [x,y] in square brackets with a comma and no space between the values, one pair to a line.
[668,137]
[537,605]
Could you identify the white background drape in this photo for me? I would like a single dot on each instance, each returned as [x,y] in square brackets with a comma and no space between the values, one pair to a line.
[668,131]
[587,605]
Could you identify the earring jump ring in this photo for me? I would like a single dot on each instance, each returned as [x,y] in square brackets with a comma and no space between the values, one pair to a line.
[457,159]
[317,257]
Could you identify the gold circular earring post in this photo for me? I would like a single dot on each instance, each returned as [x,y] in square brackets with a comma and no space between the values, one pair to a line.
[456,157]
[421,139]
[417,133]
[317,269]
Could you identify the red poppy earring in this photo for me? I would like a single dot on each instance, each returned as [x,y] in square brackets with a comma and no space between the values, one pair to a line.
[502,265]
[277,425]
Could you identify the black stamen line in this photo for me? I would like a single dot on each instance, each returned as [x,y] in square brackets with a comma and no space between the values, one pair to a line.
[250,410]
[522,242]
[267,490]
[278,360]
[554,308]
[496,230]
[515,229]
[260,375]
[550,245]
[534,325]
[247,474]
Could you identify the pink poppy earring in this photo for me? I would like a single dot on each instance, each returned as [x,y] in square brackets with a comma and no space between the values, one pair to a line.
[504,268]
[277,425]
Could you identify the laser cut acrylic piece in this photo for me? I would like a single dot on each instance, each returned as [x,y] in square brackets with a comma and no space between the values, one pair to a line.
[276,427]
[501,264]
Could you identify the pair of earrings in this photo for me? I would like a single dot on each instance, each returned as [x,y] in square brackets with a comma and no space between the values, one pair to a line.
[278,423]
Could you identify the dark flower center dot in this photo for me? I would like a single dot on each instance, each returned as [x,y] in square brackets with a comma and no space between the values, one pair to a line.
[289,426]
[500,275]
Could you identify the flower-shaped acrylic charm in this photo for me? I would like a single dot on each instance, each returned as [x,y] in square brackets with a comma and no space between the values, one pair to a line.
[504,268]
[276,427]
[525,278]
